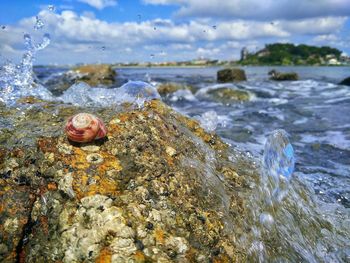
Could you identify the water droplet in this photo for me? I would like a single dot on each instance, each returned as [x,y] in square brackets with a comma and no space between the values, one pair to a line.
[214,27]
[155,28]
[39,24]
[204,31]
[209,121]
[44,43]
[266,220]
[279,155]
[3,27]
[27,40]
[152,55]
[103,48]
[51,8]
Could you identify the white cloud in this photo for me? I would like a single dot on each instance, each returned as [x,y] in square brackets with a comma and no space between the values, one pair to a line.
[259,9]
[326,38]
[315,26]
[99,4]
[80,38]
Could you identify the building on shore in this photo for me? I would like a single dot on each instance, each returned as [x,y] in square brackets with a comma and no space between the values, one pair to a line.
[244,53]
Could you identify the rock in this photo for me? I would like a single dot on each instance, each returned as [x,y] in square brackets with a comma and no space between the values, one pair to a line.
[158,188]
[280,76]
[95,75]
[168,88]
[345,82]
[231,75]
[228,95]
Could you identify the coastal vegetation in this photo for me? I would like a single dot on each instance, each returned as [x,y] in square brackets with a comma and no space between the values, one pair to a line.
[290,54]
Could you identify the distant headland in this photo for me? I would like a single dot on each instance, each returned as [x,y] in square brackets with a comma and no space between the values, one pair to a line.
[276,54]
[290,55]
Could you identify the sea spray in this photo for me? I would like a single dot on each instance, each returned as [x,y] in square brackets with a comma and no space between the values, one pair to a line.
[277,168]
[18,80]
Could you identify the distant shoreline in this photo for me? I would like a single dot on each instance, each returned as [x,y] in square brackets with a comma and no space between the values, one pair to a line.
[192,66]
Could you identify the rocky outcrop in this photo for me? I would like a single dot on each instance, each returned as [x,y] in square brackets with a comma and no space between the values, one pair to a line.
[228,95]
[169,87]
[231,75]
[157,189]
[94,75]
[345,82]
[280,76]
[97,74]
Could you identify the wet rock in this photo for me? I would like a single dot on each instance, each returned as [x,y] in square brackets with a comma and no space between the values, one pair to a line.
[280,76]
[345,82]
[144,202]
[168,88]
[94,75]
[231,75]
[227,95]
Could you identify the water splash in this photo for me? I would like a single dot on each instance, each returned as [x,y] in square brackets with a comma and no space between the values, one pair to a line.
[51,8]
[134,92]
[267,208]
[209,121]
[39,24]
[278,163]
[18,80]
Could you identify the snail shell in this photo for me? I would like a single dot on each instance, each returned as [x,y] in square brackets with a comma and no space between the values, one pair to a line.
[85,127]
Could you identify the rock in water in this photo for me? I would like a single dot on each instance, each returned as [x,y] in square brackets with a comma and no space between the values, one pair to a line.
[231,75]
[280,76]
[168,88]
[95,74]
[345,82]
[159,189]
[228,95]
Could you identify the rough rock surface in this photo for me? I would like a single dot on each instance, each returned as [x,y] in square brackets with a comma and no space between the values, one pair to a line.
[345,82]
[167,88]
[231,75]
[280,76]
[94,75]
[228,95]
[157,189]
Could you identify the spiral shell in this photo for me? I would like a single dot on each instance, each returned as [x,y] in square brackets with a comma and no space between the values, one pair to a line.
[85,127]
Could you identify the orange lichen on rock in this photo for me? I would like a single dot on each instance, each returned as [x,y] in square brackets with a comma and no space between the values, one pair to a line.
[52,186]
[140,257]
[159,236]
[105,256]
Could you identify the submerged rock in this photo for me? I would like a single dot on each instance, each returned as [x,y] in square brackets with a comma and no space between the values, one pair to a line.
[280,76]
[94,75]
[228,95]
[231,75]
[345,82]
[168,88]
[158,188]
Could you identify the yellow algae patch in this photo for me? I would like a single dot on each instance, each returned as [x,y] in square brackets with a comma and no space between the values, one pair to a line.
[139,257]
[78,159]
[102,187]
[110,163]
[159,236]
[105,256]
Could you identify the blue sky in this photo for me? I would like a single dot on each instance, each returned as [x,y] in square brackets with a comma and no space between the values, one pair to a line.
[164,30]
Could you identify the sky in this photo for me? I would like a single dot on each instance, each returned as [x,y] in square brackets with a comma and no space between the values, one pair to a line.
[109,31]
